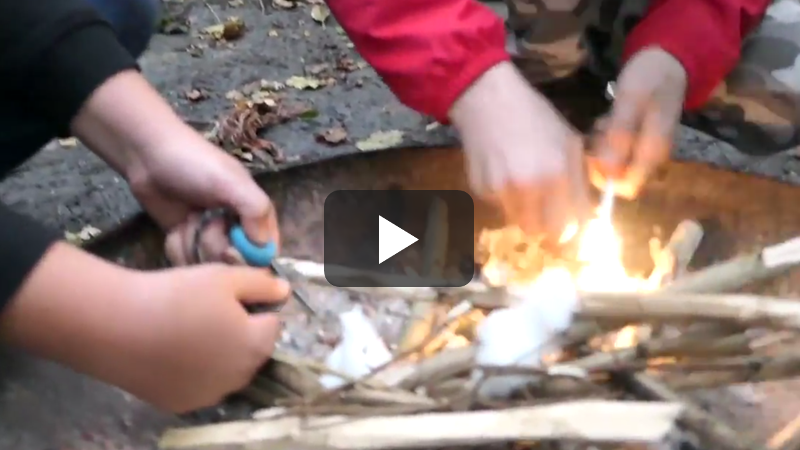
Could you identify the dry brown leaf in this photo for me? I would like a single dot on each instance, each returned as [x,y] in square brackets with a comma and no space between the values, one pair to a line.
[320,13]
[240,129]
[317,69]
[195,50]
[380,140]
[85,234]
[333,136]
[68,142]
[196,95]
[304,83]
[230,30]
[284,4]
[241,154]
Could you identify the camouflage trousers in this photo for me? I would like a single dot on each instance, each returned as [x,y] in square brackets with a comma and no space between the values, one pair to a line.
[756,109]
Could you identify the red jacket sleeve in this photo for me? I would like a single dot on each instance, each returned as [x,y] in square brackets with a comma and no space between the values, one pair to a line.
[704,35]
[427,51]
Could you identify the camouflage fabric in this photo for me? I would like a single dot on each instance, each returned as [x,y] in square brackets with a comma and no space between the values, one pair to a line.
[757,107]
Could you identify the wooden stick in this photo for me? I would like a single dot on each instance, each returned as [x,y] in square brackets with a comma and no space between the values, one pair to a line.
[744,310]
[698,343]
[780,366]
[788,437]
[673,260]
[713,433]
[591,420]
[741,271]
[424,314]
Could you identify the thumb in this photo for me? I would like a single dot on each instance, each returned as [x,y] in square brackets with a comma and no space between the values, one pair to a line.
[265,329]
[253,285]
[616,145]
[255,210]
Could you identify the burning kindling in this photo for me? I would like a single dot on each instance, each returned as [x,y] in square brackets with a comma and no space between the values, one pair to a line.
[541,349]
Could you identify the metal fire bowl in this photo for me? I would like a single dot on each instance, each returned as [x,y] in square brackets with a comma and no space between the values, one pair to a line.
[739,212]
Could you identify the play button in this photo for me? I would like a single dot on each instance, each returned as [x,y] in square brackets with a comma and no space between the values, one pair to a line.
[391,239]
[395,237]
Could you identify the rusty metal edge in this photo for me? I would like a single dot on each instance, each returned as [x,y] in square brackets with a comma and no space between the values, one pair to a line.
[140,218]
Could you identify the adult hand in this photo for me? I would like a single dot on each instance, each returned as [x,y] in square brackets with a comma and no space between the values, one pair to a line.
[637,136]
[521,154]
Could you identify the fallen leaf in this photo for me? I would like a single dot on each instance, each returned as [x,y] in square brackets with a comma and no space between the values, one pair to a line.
[346,64]
[284,4]
[82,236]
[304,83]
[317,69]
[333,136]
[241,154]
[235,3]
[274,86]
[196,95]
[68,142]
[234,95]
[272,33]
[241,129]
[309,114]
[432,126]
[320,13]
[380,140]
[195,50]
[231,30]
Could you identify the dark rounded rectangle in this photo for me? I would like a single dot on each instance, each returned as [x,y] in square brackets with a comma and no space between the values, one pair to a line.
[443,222]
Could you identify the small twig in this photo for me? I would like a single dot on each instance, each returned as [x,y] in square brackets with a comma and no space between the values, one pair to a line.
[208,5]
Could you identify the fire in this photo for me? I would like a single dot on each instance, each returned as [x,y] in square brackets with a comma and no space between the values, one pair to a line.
[601,270]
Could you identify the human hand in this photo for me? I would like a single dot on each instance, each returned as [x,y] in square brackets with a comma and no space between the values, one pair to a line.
[521,154]
[178,338]
[173,171]
[186,175]
[637,136]
[197,343]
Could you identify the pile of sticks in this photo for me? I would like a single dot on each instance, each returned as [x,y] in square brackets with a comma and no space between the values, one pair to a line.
[690,334]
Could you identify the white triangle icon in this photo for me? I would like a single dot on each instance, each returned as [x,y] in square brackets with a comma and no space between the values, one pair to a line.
[391,239]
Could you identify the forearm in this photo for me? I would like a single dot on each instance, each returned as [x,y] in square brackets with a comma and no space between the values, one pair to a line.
[73,308]
[124,117]
[705,36]
[427,52]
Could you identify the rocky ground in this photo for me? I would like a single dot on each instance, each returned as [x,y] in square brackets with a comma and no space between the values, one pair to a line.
[45,407]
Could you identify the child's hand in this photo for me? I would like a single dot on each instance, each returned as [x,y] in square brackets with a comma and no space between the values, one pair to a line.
[197,344]
[638,135]
[177,338]
[521,154]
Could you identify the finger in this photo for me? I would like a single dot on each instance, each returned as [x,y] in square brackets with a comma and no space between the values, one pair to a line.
[577,171]
[256,212]
[233,257]
[213,241]
[595,172]
[252,285]
[616,145]
[557,210]
[174,247]
[265,331]
[651,149]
